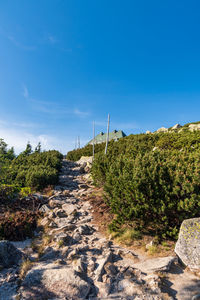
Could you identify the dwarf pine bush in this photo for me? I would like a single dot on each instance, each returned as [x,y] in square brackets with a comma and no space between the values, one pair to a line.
[155,189]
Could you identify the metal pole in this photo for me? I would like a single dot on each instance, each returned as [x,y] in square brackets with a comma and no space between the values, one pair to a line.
[79,144]
[107,139]
[93,138]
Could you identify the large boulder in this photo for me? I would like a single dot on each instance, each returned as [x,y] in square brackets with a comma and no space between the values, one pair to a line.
[162,129]
[177,126]
[52,281]
[194,127]
[86,163]
[85,159]
[188,245]
[9,254]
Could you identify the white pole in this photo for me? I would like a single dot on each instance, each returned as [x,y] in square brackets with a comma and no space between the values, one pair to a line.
[107,139]
[93,138]
[79,143]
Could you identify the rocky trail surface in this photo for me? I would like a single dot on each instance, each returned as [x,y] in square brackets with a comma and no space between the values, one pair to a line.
[73,260]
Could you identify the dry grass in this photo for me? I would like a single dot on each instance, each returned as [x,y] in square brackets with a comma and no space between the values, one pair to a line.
[126,236]
[38,245]
[152,250]
[24,268]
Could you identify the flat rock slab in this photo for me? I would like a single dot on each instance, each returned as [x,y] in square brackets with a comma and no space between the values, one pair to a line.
[188,244]
[53,281]
[155,264]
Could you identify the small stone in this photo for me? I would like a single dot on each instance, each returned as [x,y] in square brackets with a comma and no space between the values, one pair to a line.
[85,229]
[44,209]
[53,225]
[79,265]
[77,237]
[61,213]
[66,193]
[69,208]
[72,254]
[110,269]
[55,203]
[64,239]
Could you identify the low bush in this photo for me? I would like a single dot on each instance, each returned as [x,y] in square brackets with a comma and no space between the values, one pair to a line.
[157,189]
[75,155]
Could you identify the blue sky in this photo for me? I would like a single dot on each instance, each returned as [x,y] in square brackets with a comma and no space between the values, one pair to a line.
[65,63]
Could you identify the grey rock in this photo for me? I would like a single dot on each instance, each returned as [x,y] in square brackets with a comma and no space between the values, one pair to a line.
[9,254]
[79,265]
[69,208]
[110,269]
[53,281]
[56,203]
[155,264]
[64,238]
[61,222]
[85,229]
[188,245]
[194,127]
[61,213]
[66,228]
[128,287]
[162,129]
[101,263]
[44,209]
[49,254]
[77,237]
[52,225]
[177,126]
[196,297]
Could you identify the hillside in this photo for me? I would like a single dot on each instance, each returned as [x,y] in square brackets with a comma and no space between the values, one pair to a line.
[151,180]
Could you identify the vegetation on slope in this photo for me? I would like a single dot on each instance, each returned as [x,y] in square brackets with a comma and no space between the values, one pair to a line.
[19,175]
[151,180]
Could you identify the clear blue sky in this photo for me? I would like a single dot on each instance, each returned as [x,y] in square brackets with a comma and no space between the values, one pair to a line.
[65,63]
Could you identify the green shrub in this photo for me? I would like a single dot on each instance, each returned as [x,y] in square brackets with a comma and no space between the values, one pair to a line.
[8,192]
[154,189]
[24,192]
[39,177]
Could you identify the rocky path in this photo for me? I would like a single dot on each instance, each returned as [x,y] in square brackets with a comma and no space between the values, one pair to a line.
[76,262]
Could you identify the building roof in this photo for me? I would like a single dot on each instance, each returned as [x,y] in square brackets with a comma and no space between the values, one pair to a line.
[101,137]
